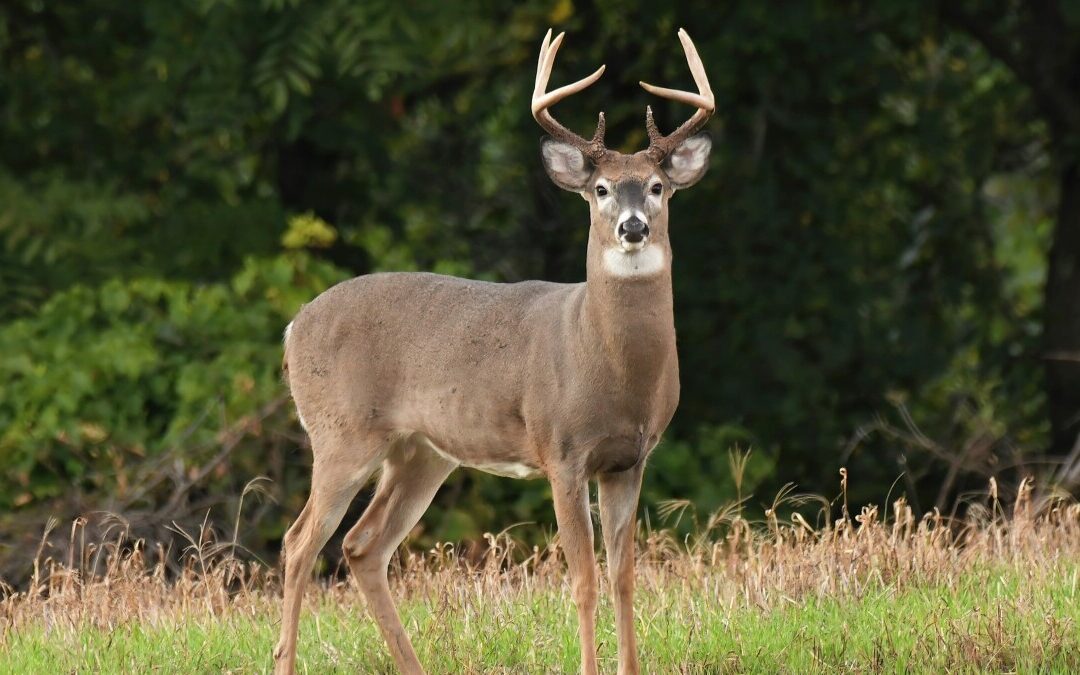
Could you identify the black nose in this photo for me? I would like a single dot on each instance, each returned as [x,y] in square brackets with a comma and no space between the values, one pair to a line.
[633,230]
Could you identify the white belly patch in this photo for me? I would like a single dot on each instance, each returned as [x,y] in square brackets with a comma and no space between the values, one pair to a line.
[505,469]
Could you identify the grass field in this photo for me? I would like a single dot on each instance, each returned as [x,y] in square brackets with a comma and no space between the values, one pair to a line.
[995,593]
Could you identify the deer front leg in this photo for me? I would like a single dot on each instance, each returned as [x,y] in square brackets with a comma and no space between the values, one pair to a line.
[571,497]
[618,507]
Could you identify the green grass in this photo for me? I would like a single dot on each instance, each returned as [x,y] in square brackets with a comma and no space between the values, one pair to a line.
[1012,618]
[996,592]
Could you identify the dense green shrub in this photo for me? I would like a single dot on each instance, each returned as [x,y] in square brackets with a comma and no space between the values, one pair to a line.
[101,378]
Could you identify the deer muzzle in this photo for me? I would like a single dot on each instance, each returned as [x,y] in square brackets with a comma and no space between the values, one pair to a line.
[633,232]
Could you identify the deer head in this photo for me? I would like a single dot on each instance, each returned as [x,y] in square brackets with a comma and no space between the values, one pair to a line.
[627,194]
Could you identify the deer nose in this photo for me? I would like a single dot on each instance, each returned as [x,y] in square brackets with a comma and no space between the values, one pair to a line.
[633,230]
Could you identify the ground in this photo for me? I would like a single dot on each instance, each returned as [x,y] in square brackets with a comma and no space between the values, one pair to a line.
[857,596]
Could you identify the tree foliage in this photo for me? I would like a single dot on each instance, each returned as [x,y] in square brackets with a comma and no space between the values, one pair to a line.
[867,253]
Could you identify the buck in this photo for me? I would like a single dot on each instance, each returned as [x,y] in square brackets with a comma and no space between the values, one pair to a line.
[420,374]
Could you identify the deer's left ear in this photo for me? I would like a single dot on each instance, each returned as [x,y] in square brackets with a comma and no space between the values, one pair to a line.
[688,162]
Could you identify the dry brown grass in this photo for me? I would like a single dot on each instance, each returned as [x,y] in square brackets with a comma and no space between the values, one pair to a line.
[728,564]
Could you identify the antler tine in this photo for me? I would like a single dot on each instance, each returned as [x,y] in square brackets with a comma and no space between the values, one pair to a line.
[541,78]
[543,99]
[659,145]
[650,126]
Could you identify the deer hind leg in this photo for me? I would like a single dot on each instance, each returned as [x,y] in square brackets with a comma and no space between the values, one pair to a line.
[571,497]
[411,476]
[333,487]
[618,506]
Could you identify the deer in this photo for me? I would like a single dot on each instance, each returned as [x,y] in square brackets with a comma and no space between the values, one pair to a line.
[418,374]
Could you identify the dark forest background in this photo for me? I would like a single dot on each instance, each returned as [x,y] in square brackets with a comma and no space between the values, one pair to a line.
[881,270]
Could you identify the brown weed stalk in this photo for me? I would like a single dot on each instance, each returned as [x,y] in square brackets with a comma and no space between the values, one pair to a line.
[729,561]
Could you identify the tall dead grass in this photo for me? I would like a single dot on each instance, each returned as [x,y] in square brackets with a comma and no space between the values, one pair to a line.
[727,560]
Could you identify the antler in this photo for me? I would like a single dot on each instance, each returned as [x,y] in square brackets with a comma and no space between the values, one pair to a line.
[542,100]
[661,146]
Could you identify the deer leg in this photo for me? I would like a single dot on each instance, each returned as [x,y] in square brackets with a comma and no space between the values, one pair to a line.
[618,506]
[411,477]
[332,489]
[571,497]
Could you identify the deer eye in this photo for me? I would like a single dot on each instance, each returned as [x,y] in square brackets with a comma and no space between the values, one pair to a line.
[657,188]
[601,191]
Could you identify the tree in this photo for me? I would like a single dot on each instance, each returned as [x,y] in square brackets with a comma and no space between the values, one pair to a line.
[1040,42]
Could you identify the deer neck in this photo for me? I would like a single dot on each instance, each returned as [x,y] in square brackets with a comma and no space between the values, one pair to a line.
[628,310]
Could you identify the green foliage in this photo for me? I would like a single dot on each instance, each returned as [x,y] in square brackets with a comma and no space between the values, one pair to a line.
[100,378]
[873,229]
[308,230]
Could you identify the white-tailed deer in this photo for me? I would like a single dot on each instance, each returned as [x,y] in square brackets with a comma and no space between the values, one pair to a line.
[419,374]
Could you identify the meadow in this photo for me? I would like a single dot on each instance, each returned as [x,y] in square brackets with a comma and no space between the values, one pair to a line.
[995,591]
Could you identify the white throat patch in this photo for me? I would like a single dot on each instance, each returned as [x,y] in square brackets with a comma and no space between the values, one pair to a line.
[642,263]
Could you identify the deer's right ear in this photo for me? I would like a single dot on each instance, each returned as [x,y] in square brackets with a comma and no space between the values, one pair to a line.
[566,165]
